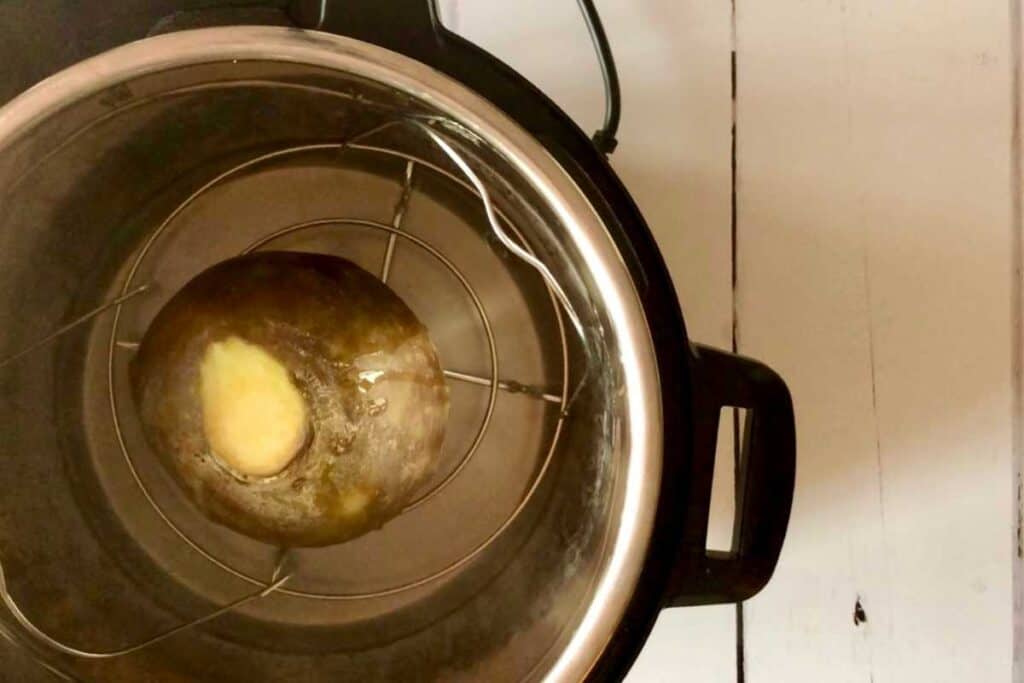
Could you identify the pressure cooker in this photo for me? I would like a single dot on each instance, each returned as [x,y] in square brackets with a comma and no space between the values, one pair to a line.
[572,499]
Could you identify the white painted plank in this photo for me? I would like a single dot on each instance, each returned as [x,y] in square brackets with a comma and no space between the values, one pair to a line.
[1017,320]
[674,155]
[874,274]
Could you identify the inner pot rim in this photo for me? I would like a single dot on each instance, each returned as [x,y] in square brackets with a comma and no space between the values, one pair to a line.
[639,480]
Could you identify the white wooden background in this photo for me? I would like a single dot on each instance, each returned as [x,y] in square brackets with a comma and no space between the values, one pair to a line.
[877,251]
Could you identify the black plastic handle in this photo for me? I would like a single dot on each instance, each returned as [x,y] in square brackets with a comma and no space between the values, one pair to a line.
[765,476]
[399,25]
[413,27]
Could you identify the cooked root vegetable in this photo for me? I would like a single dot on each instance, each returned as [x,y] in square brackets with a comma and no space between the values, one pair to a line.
[294,396]
[254,416]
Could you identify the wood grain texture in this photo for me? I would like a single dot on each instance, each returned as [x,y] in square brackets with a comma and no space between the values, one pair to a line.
[874,274]
[674,155]
[1016,40]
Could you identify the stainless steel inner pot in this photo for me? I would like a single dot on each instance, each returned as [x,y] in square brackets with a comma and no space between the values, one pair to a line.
[129,173]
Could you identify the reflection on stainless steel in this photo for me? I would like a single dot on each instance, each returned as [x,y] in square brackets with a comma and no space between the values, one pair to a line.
[557,571]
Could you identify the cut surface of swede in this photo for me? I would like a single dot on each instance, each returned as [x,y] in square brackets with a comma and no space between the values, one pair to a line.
[254,417]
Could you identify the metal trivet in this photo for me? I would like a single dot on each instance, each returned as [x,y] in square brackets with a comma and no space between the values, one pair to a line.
[499,225]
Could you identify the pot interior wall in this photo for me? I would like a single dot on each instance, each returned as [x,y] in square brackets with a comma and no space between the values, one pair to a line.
[89,557]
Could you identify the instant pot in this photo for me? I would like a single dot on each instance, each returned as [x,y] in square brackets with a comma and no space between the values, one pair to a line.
[572,501]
